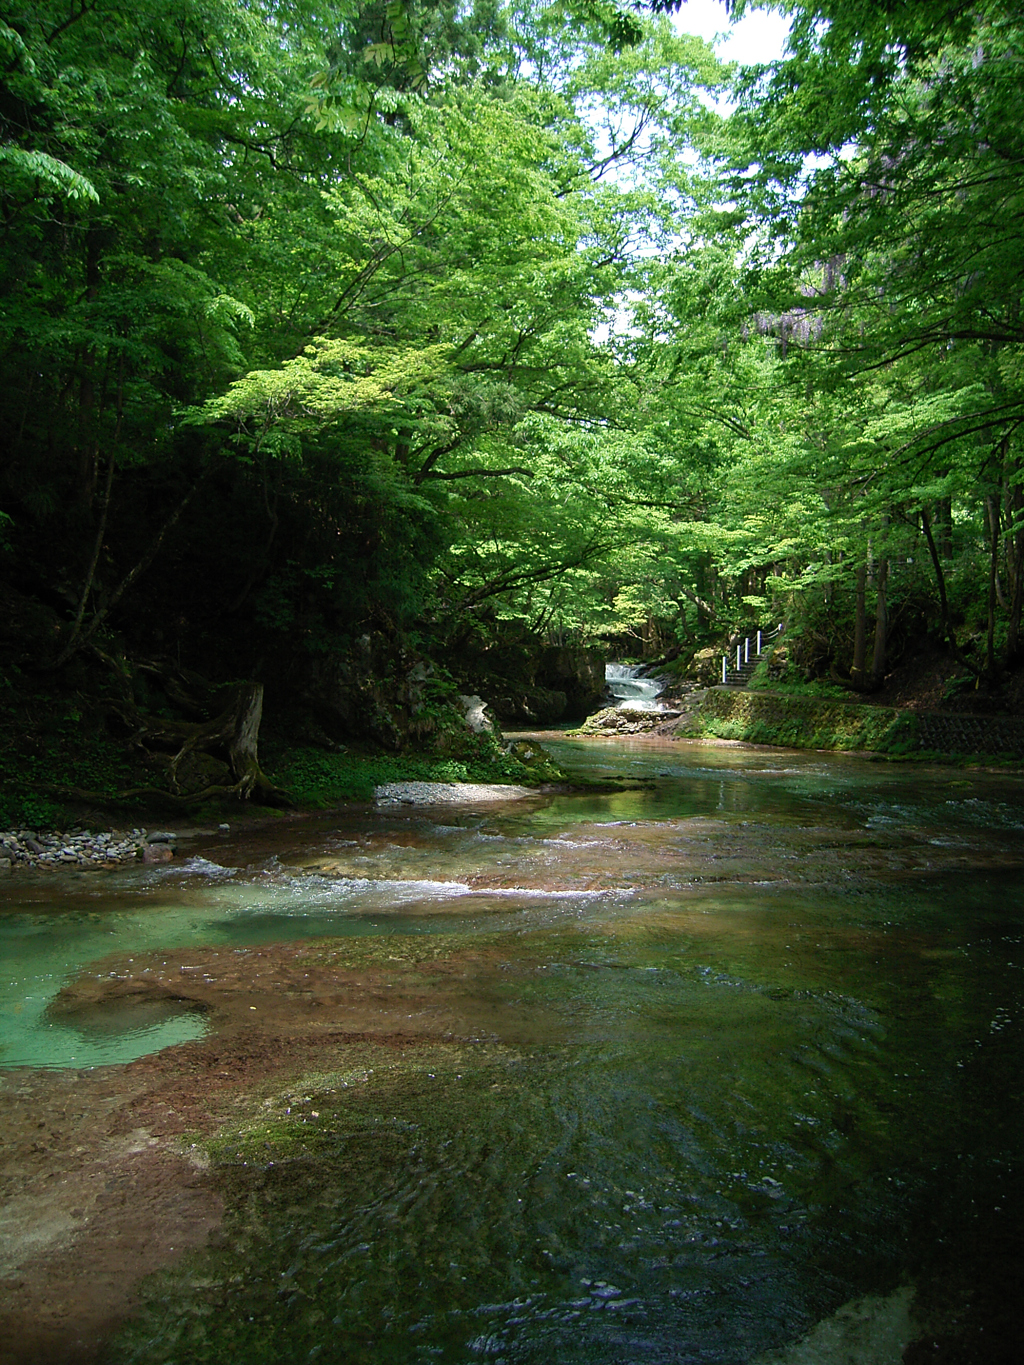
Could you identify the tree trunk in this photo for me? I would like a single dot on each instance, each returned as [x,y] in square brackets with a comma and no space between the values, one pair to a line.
[77,636]
[881,625]
[860,631]
[242,755]
[940,579]
[944,527]
[1014,540]
[993,582]
[992,508]
[234,733]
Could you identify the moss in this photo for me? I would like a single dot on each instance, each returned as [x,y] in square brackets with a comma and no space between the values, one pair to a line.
[792,683]
[314,777]
[797,722]
[808,722]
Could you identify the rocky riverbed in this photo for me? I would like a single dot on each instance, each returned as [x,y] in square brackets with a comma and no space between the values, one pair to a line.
[771,994]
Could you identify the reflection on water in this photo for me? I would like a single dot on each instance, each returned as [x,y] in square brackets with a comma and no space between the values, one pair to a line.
[727,1051]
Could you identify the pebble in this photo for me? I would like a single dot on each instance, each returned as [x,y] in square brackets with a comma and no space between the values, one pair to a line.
[24,848]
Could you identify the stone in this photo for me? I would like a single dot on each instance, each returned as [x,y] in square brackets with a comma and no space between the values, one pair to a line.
[475,716]
[157,853]
[162,836]
[536,705]
[5,866]
[576,672]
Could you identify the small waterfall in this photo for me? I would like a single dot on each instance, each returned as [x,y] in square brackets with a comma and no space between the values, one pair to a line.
[628,689]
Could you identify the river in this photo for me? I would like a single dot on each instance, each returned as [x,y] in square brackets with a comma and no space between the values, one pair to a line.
[667,1074]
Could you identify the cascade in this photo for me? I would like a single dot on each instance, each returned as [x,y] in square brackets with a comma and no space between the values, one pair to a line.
[629,689]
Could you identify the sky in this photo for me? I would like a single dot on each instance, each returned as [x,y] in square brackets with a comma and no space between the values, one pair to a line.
[758,37]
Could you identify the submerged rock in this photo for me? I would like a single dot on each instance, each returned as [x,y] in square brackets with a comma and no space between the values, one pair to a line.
[868,1331]
[157,853]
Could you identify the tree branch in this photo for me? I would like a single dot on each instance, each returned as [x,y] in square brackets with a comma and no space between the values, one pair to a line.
[476,473]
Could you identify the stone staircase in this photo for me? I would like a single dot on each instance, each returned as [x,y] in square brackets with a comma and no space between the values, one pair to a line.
[738,666]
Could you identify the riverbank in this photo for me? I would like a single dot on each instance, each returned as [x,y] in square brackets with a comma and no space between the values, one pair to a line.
[803,722]
[78,785]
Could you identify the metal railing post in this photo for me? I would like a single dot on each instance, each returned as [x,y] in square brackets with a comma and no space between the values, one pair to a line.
[738,664]
[725,665]
[759,642]
[746,650]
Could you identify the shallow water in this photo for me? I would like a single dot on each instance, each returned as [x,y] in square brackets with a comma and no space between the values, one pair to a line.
[727,1051]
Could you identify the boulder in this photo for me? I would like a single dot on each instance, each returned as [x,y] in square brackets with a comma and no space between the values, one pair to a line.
[523,678]
[157,853]
[378,690]
[476,717]
[30,631]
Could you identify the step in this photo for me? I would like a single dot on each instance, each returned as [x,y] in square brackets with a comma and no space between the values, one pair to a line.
[739,677]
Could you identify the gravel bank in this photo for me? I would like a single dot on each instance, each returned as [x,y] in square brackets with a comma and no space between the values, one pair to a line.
[24,848]
[446,793]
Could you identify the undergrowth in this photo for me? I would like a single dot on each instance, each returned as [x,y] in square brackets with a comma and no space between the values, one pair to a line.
[794,684]
[313,777]
[65,749]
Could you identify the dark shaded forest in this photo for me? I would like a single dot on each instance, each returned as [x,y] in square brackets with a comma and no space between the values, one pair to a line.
[356,357]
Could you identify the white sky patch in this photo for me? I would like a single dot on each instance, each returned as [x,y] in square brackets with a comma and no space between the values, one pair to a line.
[760,36]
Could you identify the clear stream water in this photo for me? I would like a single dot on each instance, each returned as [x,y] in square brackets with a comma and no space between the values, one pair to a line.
[731,1050]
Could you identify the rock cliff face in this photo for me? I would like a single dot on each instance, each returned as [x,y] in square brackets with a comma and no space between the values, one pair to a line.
[117,722]
[383,692]
[524,680]
[577,672]
[29,630]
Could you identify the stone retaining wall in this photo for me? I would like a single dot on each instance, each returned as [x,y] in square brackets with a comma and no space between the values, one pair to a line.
[812,723]
[971,734]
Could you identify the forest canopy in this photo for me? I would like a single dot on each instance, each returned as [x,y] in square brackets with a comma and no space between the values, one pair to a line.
[410,319]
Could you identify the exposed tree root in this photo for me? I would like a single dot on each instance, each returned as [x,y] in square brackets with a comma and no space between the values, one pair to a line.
[177,800]
[232,734]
